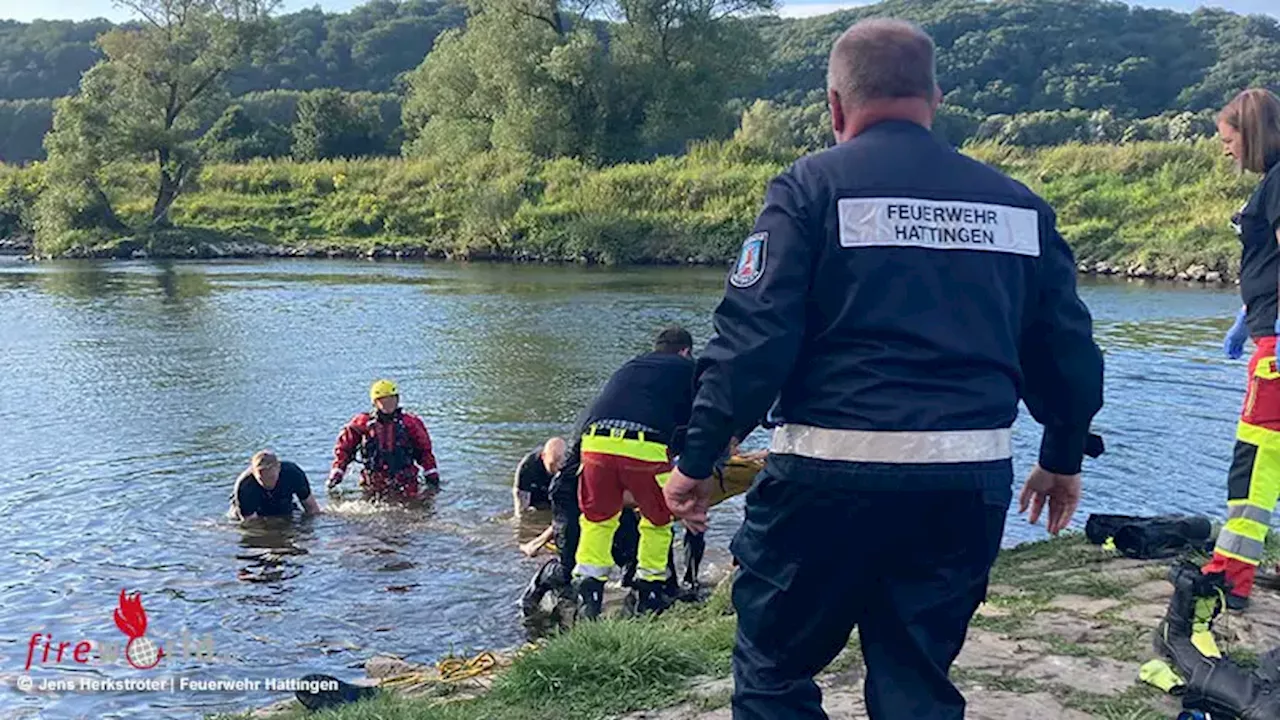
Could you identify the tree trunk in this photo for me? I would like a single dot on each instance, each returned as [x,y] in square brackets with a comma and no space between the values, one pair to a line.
[165,194]
[107,214]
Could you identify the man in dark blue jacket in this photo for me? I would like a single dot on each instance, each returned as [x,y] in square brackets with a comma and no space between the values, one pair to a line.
[899,299]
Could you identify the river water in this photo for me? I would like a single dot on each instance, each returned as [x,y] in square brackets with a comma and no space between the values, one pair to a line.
[132,394]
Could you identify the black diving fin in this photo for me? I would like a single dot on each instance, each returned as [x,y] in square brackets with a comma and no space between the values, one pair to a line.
[326,691]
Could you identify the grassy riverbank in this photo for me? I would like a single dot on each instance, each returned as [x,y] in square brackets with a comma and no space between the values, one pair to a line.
[1153,209]
[1062,636]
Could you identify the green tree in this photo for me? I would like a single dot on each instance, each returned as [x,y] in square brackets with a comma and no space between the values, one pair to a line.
[160,83]
[534,76]
[331,124]
[521,77]
[679,62]
[237,137]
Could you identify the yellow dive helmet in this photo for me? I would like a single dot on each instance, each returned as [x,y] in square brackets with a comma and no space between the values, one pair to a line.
[383,388]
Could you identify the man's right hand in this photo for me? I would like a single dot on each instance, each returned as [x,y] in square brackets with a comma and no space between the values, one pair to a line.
[689,500]
[1061,491]
[335,477]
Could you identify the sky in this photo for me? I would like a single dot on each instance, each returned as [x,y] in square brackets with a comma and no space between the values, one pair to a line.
[25,10]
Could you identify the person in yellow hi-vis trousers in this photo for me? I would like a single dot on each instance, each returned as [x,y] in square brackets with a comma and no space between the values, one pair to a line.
[628,441]
[1249,127]
[1253,483]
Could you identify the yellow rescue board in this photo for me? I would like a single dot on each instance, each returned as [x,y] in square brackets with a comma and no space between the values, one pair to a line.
[736,478]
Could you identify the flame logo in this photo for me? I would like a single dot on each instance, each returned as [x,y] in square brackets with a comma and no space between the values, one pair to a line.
[130,617]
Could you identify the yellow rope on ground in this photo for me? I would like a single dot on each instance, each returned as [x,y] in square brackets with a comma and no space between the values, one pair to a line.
[450,670]
[455,669]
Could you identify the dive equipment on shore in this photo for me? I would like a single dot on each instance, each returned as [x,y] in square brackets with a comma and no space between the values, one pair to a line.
[1213,684]
[1149,538]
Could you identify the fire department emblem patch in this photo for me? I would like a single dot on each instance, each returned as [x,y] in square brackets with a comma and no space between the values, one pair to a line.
[750,265]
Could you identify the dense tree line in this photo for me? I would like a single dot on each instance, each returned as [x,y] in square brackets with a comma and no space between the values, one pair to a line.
[364,49]
[1034,55]
[551,77]
[995,57]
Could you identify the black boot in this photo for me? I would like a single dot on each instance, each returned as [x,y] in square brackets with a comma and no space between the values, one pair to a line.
[550,577]
[590,597]
[695,546]
[1185,635]
[651,597]
[1230,691]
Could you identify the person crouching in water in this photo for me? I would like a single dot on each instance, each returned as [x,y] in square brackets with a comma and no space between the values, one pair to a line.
[267,489]
[391,444]
[531,486]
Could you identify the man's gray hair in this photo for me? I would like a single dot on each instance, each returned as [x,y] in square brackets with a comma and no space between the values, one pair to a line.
[881,59]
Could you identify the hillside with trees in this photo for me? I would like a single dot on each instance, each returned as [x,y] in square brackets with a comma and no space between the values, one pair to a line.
[1089,69]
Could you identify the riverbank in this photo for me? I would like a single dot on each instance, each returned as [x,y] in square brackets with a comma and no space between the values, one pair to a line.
[1157,210]
[1062,636]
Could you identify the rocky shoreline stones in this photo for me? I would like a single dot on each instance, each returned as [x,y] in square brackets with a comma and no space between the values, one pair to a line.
[250,249]
[1193,273]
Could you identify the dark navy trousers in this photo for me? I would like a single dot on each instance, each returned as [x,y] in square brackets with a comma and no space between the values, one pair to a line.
[901,554]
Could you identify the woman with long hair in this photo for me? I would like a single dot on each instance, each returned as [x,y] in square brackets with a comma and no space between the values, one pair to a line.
[1249,127]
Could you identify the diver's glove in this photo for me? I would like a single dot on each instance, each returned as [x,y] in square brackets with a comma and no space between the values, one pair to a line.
[335,477]
[1233,345]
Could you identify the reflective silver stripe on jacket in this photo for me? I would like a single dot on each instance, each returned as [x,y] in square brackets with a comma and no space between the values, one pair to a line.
[930,446]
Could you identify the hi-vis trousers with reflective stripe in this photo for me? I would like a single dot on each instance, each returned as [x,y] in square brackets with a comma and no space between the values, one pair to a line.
[1254,481]
[612,464]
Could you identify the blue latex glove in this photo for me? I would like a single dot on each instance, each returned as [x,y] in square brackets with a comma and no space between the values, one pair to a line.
[1233,345]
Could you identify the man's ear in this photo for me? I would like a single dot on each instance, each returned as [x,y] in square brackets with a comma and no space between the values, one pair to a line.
[838,120]
[937,96]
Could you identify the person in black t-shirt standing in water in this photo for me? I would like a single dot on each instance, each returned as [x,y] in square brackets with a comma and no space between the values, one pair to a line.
[267,489]
[1250,130]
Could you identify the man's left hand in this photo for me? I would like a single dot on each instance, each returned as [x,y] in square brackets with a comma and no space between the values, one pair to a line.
[689,500]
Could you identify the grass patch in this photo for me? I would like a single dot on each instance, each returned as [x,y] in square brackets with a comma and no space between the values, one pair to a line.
[1020,565]
[1128,642]
[1096,585]
[1136,703]
[994,681]
[1002,624]
[705,702]
[850,658]
[1243,656]
[1023,601]
[1060,646]
[616,666]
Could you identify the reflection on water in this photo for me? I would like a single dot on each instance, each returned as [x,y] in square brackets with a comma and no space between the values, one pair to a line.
[133,395]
